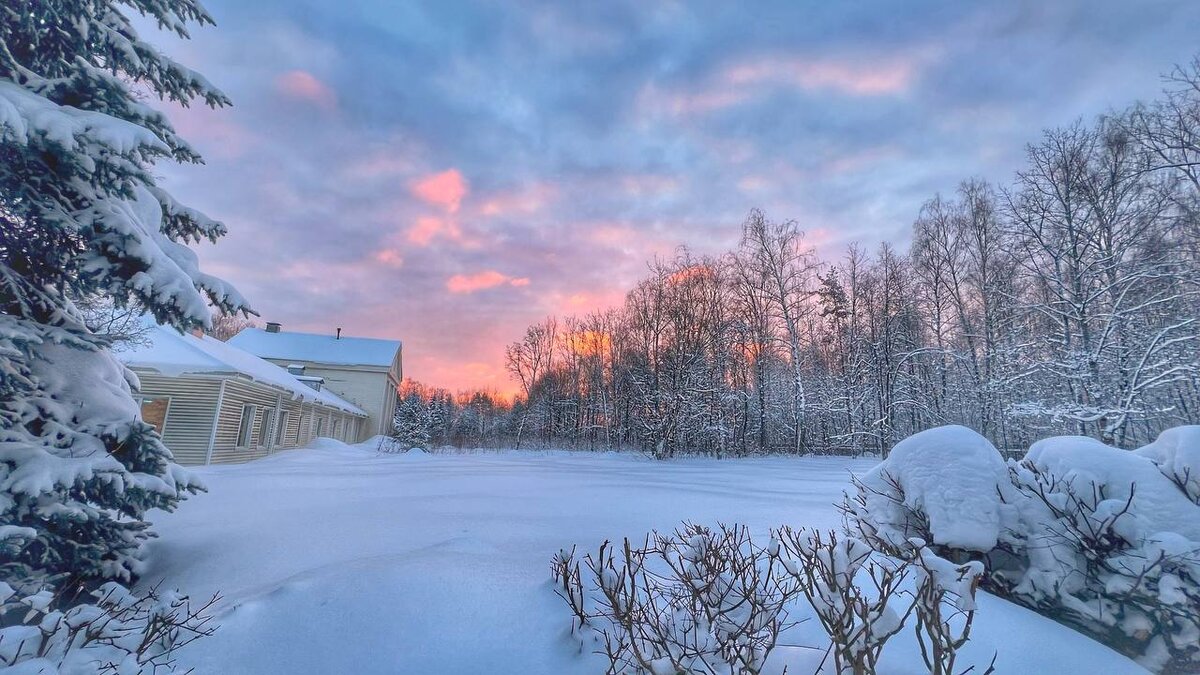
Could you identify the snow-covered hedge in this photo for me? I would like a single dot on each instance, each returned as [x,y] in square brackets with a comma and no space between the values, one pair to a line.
[1104,539]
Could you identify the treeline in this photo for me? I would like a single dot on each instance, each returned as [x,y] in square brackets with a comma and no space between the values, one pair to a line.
[1067,301]
[431,417]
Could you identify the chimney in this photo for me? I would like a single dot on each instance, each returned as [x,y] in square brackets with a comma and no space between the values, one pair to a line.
[273,326]
[339,334]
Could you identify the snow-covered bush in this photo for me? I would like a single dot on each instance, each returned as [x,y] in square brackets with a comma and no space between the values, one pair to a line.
[697,600]
[944,486]
[711,601]
[1176,452]
[1100,538]
[1113,547]
[119,633]
[82,218]
[858,621]
[944,606]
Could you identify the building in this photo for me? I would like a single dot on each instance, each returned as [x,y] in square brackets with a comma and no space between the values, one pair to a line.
[364,371]
[214,403]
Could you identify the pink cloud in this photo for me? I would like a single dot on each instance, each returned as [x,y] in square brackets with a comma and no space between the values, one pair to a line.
[426,228]
[577,302]
[610,234]
[878,78]
[390,257]
[617,237]
[748,80]
[753,183]
[459,374]
[445,189]
[470,283]
[303,85]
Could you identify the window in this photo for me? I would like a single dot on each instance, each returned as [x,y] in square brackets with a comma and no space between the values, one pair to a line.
[320,426]
[337,427]
[281,429]
[154,411]
[246,430]
[265,427]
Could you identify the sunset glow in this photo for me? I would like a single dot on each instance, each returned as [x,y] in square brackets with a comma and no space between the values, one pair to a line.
[425,178]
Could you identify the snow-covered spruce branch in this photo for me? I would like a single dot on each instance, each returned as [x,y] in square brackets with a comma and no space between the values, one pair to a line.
[82,220]
[117,633]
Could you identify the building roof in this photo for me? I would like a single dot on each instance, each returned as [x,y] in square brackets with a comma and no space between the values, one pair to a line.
[317,348]
[171,353]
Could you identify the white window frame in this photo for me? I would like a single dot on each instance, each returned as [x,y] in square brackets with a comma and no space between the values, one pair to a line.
[246,426]
[281,427]
[267,426]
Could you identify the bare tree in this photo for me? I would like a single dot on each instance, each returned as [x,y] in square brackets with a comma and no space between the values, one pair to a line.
[787,269]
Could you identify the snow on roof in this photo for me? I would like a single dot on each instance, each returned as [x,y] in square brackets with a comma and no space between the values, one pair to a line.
[317,348]
[171,353]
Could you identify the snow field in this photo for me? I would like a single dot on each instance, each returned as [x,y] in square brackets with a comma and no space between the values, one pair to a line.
[338,559]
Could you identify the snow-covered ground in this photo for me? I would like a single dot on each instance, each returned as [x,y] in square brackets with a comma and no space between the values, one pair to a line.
[341,560]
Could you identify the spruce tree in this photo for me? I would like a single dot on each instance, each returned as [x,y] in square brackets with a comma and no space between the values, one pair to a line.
[411,422]
[82,217]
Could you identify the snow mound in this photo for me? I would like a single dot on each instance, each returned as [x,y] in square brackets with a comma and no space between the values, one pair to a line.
[953,476]
[326,443]
[375,443]
[1176,452]
[1085,464]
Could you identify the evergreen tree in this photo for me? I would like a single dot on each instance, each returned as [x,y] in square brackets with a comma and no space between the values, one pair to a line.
[81,217]
[410,424]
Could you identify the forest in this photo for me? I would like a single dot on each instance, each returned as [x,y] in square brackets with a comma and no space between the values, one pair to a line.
[1062,302]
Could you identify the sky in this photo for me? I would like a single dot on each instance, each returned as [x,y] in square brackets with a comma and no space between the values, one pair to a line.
[447,173]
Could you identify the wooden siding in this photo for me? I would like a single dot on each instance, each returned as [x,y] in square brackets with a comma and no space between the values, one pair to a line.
[291,436]
[193,407]
[189,415]
[238,394]
[372,388]
[298,431]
